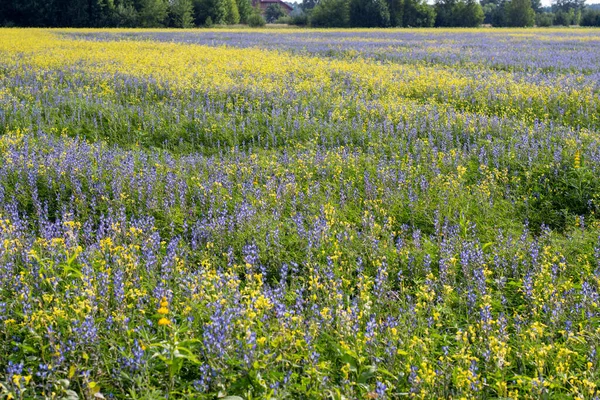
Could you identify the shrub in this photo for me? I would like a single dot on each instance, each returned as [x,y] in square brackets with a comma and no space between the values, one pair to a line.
[544,19]
[300,20]
[256,20]
[284,20]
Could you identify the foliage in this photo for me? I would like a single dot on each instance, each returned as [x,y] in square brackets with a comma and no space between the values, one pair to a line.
[153,13]
[300,19]
[544,19]
[369,13]
[225,214]
[519,13]
[358,13]
[232,16]
[590,18]
[245,10]
[417,13]
[458,13]
[273,13]
[256,20]
[568,5]
[181,13]
[331,14]
[308,5]
[565,18]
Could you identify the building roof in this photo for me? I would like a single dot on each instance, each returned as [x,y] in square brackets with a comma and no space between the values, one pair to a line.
[281,3]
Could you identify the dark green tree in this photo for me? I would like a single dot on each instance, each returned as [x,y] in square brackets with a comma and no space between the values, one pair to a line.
[470,13]
[273,13]
[330,14]
[417,13]
[396,9]
[590,18]
[444,10]
[519,13]
[458,13]
[202,10]
[74,13]
[125,14]
[369,13]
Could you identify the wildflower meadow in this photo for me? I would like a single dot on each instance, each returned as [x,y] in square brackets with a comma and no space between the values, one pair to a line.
[300,214]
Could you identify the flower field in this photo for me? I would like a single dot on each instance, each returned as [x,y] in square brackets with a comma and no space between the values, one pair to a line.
[301,214]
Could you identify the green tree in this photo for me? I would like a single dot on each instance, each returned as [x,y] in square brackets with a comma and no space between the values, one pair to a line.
[567,5]
[396,9]
[125,14]
[330,14]
[202,10]
[458,13]
[101,13]
[444,12]
[590,18]
[233,14]
[544,19]
[153,13]
[74,13]
[256,19]
[369,13]
[519,13]
[564,18]
[308,5]
[219,11]
[417,13]
[181,13]
[273,13]
[245,10]
[471,14]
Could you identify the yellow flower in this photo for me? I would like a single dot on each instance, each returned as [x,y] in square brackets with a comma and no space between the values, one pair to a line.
[163,310]
[164,303]
[164,322]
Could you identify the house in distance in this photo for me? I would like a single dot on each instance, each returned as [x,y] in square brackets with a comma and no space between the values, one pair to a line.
[263,4]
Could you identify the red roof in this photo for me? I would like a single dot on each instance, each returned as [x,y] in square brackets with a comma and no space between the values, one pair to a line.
[281,3]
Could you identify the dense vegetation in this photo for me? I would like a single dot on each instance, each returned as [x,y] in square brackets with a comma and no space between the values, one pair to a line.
[360,214]
[317,13]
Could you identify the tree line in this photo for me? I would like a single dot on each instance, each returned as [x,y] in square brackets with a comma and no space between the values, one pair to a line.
[125,13]
[445,13]
[317,13]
